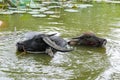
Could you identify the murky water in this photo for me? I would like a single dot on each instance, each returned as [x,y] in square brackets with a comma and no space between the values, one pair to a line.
[84,63]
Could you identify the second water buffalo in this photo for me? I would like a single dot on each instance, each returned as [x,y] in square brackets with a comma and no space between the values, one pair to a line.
[88,39]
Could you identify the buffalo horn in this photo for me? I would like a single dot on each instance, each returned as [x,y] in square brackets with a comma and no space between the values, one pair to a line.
[53,45]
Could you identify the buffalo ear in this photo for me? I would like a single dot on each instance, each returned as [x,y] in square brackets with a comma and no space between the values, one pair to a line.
[79,37]
[52,44]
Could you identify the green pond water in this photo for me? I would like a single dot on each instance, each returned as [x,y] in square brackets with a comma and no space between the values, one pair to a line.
[84,63]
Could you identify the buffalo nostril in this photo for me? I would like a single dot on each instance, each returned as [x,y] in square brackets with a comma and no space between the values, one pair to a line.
[19,44]
[104,42]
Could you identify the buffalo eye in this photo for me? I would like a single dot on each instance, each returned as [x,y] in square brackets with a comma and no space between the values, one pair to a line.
[38,39]
[88,36]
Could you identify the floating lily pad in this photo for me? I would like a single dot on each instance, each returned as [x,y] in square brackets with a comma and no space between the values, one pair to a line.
[55,16]
[42,9]
[71,10]
[35,10]
[51,2]
[32,12]
[11,8]
[77,5]
[25,9]
[49,12]
[39,15]
[21,12]
[50,7]
[6,12]
[84,5]
[46,3]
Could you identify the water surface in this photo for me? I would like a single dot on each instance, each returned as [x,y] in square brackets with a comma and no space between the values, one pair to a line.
[84,63]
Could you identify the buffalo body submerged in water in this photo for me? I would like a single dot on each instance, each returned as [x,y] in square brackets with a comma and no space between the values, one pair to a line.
[43,43]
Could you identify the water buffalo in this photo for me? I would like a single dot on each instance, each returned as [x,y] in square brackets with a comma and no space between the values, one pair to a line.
[43,43]
[88,39]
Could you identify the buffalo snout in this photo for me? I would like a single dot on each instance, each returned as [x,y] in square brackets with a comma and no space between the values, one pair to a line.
[20,46]
[102,42]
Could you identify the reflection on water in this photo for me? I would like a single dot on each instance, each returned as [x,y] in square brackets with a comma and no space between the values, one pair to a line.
[84,63]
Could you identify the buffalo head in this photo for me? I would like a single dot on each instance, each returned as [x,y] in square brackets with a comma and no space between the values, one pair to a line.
[43,43]
[88,39]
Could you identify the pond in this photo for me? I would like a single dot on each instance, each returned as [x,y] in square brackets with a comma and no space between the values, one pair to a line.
[84,63]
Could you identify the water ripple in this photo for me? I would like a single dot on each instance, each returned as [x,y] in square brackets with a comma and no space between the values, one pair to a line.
[113,51]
